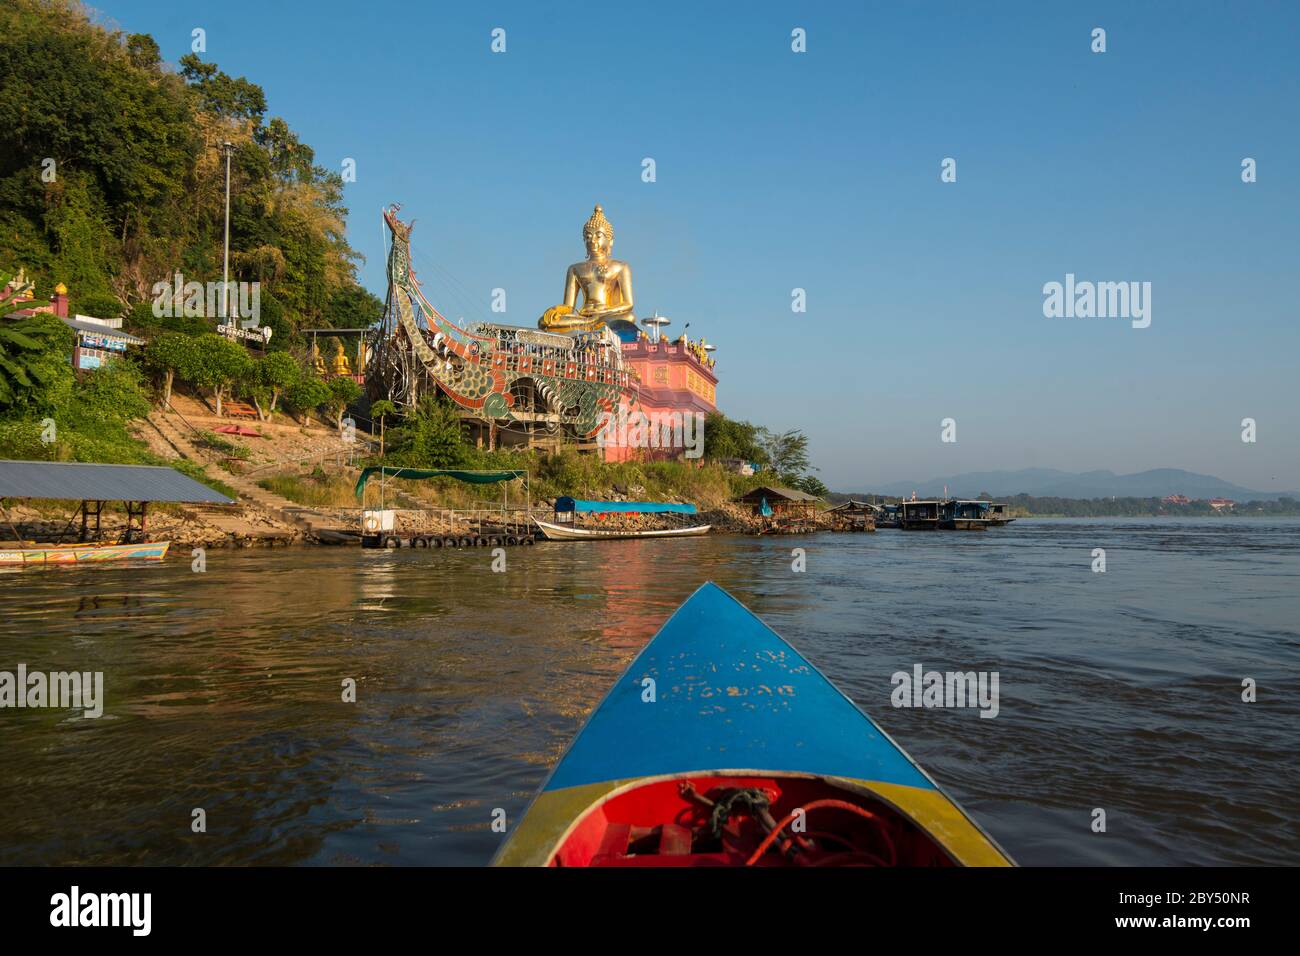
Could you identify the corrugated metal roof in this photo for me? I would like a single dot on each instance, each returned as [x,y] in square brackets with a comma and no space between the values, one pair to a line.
[852,505]
[93,482]
[772,491]
[93,328]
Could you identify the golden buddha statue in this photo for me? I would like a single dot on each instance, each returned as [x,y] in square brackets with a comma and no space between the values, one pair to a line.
[341,365]
[317,360]
[605,284]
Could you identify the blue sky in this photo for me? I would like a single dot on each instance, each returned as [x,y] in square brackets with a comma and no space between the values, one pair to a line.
[820,170]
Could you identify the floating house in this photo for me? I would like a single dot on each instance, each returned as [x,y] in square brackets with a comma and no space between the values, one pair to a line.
[769,500]
[951,514]
[855,515]
[919,515]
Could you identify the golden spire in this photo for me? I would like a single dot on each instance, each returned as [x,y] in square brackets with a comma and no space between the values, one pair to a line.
[60,289]
[598,221]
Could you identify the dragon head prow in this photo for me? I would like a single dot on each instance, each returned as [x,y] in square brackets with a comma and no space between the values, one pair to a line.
[400,229]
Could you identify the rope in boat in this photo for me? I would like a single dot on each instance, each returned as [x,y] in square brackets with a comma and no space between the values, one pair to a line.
[775,834]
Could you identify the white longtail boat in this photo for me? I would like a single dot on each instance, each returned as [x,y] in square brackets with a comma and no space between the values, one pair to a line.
[601,516]
[560,532]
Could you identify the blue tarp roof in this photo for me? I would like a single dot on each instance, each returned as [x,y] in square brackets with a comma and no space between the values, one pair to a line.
[640,507]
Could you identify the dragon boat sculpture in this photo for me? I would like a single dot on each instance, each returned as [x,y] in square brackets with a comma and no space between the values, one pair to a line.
[528,379]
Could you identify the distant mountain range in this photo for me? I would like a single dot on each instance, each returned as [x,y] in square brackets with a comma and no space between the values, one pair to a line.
[1053,483]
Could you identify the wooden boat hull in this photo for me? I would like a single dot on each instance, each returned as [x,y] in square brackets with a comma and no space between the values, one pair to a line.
[84,553]
[719,711]
[559,532]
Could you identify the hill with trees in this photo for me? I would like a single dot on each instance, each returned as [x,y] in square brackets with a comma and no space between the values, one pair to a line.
[112,180]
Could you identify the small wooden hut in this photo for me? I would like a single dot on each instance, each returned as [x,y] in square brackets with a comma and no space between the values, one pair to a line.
[782,503]
[854,516]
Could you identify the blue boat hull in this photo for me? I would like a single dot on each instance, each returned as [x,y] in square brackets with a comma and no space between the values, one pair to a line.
[718,699]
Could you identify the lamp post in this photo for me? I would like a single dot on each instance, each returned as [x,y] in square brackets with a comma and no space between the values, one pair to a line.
[227,148]
[657,323]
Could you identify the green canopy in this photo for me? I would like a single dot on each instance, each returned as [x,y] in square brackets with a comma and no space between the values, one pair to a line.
[470,477]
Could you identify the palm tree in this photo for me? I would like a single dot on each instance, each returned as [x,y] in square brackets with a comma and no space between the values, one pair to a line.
[24,359]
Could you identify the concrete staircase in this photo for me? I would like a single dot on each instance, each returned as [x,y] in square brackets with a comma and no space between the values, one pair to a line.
[176,432]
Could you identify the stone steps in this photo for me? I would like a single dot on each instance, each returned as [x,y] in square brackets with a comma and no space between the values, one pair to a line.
[288,511]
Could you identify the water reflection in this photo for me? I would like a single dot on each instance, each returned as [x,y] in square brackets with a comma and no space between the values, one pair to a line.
[224,689]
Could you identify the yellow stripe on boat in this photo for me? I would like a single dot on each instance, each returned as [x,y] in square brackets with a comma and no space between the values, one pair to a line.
[554,813]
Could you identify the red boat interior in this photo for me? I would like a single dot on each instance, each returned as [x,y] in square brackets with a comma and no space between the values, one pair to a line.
[705,820]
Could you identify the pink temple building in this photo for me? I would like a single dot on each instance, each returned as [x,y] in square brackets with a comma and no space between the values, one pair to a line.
[673,380]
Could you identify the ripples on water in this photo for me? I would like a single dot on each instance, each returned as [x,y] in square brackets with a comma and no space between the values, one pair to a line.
[1118,690]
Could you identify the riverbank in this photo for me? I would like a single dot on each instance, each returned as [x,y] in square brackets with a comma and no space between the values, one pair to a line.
[225,527]
[248,526]
[293,482]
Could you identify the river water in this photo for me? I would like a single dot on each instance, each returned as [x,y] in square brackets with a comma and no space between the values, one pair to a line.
[1119,690]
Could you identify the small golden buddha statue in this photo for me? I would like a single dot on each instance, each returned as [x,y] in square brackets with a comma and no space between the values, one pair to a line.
[605,284]
[341,365]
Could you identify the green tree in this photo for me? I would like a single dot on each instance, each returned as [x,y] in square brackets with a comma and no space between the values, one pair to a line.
[307,394]
[141,321]
[351,307]
[381,410]
[143,51]
[167,354]
[727,438]
[218,364]
[34,355]
[106,399]
[343,392]
[787,453]
[431,436]
[276,373]
[97,306]
[813,486]
[137,194]
[221,94]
